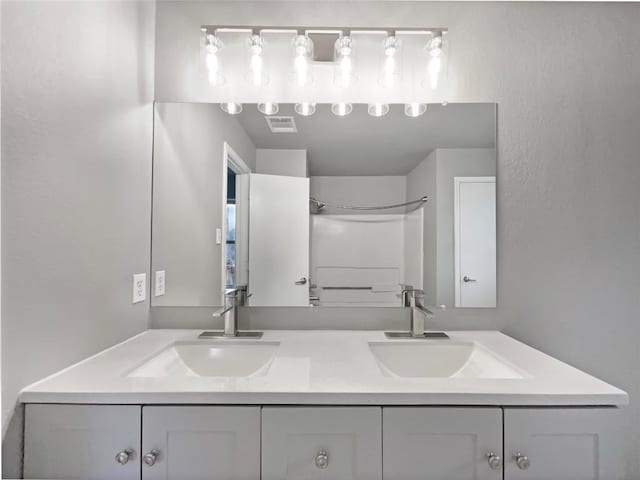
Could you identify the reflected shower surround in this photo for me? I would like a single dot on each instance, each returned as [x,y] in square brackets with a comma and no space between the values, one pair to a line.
[335,65]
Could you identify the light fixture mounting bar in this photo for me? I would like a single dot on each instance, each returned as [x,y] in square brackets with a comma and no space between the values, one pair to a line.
[304,30]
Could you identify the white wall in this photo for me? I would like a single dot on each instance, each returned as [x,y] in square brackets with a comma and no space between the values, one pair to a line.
[359,191]
[77,92]
[291,163]
[565,78]
[187,193]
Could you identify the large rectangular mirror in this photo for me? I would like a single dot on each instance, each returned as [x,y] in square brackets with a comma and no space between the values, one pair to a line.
[323,209]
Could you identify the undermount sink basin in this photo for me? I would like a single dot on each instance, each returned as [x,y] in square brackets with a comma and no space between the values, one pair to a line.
[440,358]
[227,358]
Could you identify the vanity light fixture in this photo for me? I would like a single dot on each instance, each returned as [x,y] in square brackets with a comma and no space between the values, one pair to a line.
[434,63]
[341,109]
[305,108]
[415,109]
[378,109]
[231,108]
[212,45]
[268,108]
[391,46]
[343,49]
[255,47]
[304,52]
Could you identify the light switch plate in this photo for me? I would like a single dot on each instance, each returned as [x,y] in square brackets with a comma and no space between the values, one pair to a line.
[139,287]
[218,236]
[159,283]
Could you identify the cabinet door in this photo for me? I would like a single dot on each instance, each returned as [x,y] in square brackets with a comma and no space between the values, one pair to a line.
[437,443]
[562,444]
[82,441]
[332,443]
[198,443]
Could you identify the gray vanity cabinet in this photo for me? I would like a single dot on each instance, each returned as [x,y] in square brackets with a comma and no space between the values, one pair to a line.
[200,442]
[89,442]
[312,443]
[562,444]
[441,443]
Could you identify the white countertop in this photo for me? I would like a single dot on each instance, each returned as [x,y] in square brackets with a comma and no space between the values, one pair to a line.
[322,367]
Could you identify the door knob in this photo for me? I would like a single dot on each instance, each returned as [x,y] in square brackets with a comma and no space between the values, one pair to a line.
[494,461]
[151,457]
[522,461]
[467,279]
[124,456]
[322,460]
[302,281]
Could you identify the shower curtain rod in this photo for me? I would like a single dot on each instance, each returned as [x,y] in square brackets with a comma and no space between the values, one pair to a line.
[320,205]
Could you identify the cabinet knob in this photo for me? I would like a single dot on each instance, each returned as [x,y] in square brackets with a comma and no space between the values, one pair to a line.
[322,460]
[522,461]
[151,457]
[124,456]
[494,461]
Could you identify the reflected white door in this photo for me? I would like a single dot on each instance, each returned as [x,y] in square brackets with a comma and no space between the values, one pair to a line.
[475,241]
[278,240]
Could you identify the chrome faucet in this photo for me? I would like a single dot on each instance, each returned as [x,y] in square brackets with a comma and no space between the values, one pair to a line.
[233,298]
[413,298]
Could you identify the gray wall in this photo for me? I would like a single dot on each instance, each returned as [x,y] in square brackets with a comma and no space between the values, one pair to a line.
[288,162]
[565,77]
[187,198]
[422,181]
[77,92]
[450,163]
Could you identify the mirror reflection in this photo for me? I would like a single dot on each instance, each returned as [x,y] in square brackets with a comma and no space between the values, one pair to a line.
[323,209]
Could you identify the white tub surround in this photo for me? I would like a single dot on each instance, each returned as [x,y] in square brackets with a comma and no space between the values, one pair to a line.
[324,368]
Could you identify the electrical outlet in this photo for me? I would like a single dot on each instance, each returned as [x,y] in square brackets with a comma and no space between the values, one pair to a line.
[159,283]
[139,287]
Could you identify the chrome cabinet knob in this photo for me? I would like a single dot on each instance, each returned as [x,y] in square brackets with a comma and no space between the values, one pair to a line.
[467,279]
[151,457]
[124,456]
[522,461]
[322,460]
[494,461]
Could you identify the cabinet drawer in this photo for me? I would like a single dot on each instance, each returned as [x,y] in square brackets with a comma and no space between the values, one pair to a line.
[294,440]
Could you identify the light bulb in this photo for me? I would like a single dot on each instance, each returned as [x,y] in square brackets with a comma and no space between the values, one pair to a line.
[341,109]
[305,108]
[268,108]
[435,65]
[378,109]
[304,50]
[301,70]
[391,45]
[415,109]
[255,45]
[231,108]
[212,47]
[434,47]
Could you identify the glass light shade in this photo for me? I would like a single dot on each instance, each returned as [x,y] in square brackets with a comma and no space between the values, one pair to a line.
[341,109]
[305,108]
[231,108]
[378,109]
[268,108]
[415,109]
[303,46]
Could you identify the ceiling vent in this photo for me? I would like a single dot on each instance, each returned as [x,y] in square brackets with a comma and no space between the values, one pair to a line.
[281,124]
